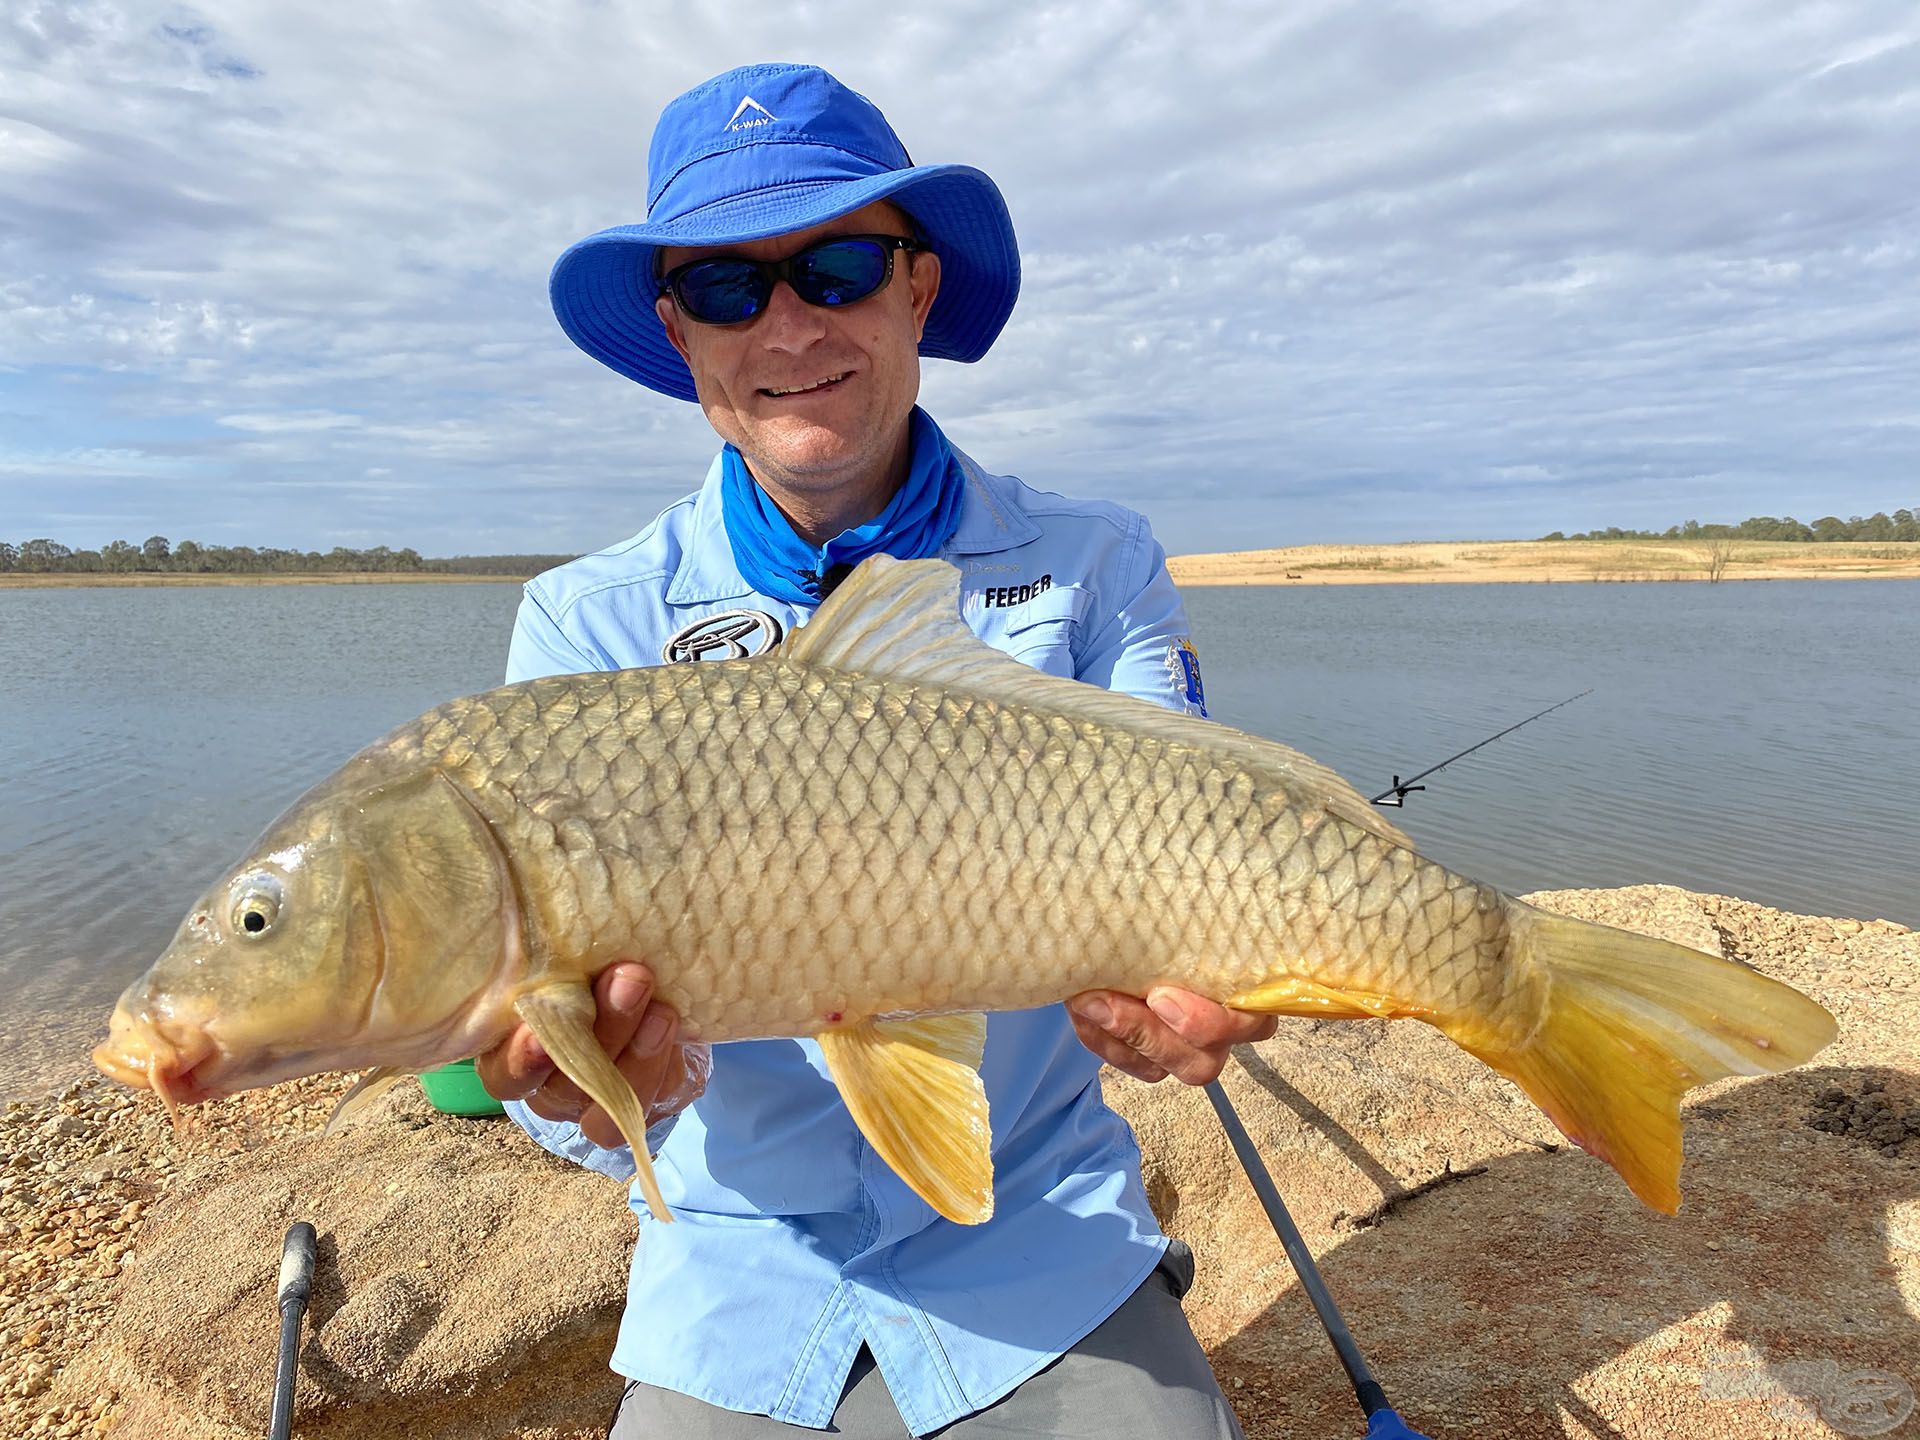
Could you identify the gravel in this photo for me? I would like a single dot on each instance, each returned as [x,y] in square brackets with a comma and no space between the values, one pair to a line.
[80,1170]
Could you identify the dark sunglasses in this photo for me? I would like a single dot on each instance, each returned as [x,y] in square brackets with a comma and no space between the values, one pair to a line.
[836,271]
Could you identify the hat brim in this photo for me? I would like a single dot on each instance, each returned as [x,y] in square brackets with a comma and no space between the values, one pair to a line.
[603,287]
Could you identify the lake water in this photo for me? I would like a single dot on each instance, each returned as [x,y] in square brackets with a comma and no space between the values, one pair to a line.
[1754,739]
[1750,739]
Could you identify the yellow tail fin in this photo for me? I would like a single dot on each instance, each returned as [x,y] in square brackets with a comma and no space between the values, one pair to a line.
[1631,1024]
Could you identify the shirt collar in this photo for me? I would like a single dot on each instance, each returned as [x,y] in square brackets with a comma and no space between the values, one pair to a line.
[989,522]
[706,570]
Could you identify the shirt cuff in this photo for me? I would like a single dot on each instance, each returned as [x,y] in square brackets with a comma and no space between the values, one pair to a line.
[565,1139]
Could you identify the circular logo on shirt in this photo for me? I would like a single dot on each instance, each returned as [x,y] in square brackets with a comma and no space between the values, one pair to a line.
[728,635]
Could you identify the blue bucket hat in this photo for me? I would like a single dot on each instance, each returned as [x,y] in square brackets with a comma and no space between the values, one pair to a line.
[767,150]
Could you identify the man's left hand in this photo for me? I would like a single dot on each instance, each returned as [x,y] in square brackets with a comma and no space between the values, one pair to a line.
[1171,1032]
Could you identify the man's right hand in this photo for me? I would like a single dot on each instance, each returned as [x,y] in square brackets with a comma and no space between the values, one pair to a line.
[637,1031]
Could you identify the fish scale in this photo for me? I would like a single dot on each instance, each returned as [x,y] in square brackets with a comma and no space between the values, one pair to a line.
[827,810]
[871,835]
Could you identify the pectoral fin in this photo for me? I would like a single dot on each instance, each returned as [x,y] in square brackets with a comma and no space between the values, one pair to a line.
[561,1017]
[367,1089]
[913,1087]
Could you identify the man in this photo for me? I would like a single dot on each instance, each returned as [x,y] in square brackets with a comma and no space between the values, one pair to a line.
[793,268]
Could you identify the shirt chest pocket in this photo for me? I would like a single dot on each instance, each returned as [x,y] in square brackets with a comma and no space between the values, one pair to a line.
[1043,632]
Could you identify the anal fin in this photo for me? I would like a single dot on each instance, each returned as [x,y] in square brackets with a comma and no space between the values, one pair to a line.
[913,1087]
[561,1016]
[1296,995]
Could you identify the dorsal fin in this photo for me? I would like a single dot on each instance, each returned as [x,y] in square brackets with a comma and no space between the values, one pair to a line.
[900,620]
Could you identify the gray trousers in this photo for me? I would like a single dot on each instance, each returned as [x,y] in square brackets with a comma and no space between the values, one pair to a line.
[1139,1374]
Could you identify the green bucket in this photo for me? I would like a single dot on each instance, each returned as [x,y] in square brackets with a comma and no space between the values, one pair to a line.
[456,1090]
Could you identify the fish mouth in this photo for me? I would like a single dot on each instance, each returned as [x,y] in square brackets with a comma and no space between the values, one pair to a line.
[170,1057]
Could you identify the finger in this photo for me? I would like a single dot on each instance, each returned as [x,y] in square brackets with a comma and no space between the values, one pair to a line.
[682,1078]
[1205,1024]
[686,1080]
[696,1068]
[558,1099]
[1140,1030]
[620,999]
[514,1068]
[1111,1048]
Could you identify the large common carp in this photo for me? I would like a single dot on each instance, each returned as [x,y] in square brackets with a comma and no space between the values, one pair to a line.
[871,835]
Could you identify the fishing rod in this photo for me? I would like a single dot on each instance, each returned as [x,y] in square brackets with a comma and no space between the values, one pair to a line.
[296,1285]
[1383,1421]
[1400,789]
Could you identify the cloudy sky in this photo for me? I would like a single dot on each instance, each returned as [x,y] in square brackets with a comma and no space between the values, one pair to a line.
[275,272]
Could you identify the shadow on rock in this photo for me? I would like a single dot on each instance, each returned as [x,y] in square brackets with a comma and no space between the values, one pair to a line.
[1540,1289]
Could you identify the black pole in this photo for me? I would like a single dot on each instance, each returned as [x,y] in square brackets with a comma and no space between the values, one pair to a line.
[296,1284]
[1365,1387]
[1400,789]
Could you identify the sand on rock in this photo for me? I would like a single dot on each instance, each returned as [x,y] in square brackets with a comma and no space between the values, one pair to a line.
[466,1285]
[1502,1283]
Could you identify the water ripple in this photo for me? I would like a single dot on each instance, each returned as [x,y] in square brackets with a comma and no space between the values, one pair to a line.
[1745,739]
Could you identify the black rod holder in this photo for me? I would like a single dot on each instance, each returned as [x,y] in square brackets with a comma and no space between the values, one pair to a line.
[296,1285]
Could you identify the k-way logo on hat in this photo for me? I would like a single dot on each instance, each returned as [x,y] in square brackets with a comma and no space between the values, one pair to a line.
[765,117]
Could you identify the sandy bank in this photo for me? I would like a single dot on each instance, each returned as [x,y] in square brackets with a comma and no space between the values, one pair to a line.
[1482,562]
[60,582]
[1452,562]
[1502,1282]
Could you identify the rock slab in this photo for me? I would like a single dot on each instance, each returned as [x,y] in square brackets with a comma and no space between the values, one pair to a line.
[466,1285]
[1501,1282]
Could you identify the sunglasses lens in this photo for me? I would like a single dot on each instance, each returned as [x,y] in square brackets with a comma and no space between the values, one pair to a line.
[839,272]
[721,292]
[834,272]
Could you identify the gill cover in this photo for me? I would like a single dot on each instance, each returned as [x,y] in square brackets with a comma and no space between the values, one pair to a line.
[439,893]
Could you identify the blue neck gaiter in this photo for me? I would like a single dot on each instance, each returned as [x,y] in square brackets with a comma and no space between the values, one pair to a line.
[919,519]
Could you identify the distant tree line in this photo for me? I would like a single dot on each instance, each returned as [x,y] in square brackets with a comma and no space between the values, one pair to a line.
[1901,525]
[498,564]
[158,556]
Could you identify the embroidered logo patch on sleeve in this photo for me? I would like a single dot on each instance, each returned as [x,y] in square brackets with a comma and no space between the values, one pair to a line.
[1183,664]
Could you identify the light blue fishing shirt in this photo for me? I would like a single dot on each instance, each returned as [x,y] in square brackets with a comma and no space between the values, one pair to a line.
[795,1244]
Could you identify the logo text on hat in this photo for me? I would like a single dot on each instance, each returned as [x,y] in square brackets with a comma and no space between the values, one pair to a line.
[764,117]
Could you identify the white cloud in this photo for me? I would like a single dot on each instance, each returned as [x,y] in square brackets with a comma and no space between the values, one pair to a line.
[291,422]
[1313,271]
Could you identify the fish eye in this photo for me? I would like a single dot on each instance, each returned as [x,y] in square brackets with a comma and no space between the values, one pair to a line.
[256,904]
